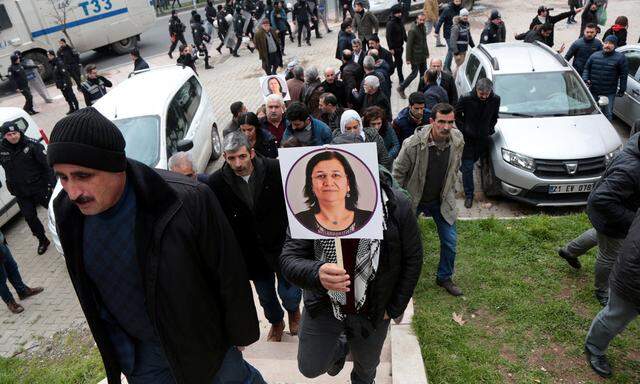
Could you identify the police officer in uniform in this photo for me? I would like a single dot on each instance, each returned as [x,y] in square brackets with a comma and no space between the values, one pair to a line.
[62,78]
[20,83]
[200,37]
[29,177]
[95,86]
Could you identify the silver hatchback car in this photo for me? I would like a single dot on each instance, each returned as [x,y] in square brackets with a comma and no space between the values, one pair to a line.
[551,142]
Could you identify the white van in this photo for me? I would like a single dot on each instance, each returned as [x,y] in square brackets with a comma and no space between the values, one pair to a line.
[35,26]
[8,203]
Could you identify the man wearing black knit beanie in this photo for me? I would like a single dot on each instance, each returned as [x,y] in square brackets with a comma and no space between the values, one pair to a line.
[153,261]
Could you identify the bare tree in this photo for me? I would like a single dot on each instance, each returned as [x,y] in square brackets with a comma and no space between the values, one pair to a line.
[61,10]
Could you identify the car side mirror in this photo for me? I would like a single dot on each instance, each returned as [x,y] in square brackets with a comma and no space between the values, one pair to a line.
[184,145]
[603,101]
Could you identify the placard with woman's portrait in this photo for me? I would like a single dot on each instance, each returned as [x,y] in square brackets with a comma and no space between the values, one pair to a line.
[274,84]
[332,191]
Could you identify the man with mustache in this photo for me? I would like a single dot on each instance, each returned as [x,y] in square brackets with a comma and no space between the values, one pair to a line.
[156,268]
[427,168]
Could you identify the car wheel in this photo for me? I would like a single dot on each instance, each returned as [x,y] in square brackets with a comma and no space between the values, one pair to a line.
[125,45]
[216,144]
[489,181]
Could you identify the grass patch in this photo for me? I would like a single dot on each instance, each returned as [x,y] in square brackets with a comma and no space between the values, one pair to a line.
[70,357]
[527,311]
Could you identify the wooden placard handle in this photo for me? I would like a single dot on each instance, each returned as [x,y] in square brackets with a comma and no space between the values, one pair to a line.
[339,253]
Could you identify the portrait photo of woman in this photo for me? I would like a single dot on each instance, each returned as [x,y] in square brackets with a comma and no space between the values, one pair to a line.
[331,193]
[274,85]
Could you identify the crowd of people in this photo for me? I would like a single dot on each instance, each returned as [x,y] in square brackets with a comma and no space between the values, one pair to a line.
[137,241]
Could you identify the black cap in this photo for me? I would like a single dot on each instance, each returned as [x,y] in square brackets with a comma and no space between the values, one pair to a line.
[88,139]
[7,127]
[495,14]
[397,8]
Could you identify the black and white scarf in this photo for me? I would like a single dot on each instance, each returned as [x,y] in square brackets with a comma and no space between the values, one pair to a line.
[367,259]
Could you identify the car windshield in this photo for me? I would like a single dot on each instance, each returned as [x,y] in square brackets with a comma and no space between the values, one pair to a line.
[142,135]
[542,94]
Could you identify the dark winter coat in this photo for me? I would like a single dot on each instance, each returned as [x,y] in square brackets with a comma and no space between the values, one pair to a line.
[26,170]
[588,16]
[607,73]
[196,288]
[404,125]
[69,56]
[301,12]
[446,19]
[18,77]
[493,33]
[532,36]
[337,88]
[60,74]
[614,201]
[210,13]
[476,119]
[262,45]
[352,75]
[266,144]
[365,24]
[176,26]
[378,99]
[417,49]
[581,50]
[460,39]
[396,34]
[260,230]
[199,35]
[551,20]
[398,269]
[621,34]
[279,20]
[435,94]
[344,42]
[625,276]
[310,96]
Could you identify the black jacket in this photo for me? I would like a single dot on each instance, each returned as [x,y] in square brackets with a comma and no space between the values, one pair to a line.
[61,76]
[449,84]
[139,64]
[625,277]
[551,20]
[351,74]
[446,19]
[344,42]
[396,34]
[613,203]
[266,144]
[69,56]
[588,16]
[176,26]
[94,89]
[387,57]
[476,119]
[621,34]
[493,33]
[25,166]
[337,88]
[195,285]
[532,36]
[398,269]
[18,77]
[260,230]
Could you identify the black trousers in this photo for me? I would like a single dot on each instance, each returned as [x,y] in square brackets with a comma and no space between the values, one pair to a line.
[282,39]
[238,43]
[179,38]
[397,62]
[28,205]
[314,24]
[74,71]
[203,48]
[415,69]
[270,65]
[28,99]
[308,29]
[71,99]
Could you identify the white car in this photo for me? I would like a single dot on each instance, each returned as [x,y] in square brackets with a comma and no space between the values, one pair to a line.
[159,112]
[627,107]
[8,202]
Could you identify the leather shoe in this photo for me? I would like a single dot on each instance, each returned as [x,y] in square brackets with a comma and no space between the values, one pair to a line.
[571,260]
[15,307]
[294,322]
[450,287]
[468,202]
[599,364]
[43,245]
[275,333]
[30,292]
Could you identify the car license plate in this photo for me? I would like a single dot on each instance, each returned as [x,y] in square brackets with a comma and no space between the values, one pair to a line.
[570,188]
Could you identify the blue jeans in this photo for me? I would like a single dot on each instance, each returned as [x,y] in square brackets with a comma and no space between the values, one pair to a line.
[449,57]
[467,176]
[608,110]
[236,370]
[9,271]
[289,294]
[448,239]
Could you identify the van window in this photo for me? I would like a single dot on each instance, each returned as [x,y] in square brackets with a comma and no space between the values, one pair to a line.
[472,67]
[5,21]
[182,110]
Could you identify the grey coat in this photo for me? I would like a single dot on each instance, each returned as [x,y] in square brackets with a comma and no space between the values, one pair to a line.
[410,169]
[366,25]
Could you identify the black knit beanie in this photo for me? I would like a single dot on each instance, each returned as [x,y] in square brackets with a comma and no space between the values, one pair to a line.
[88,139]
